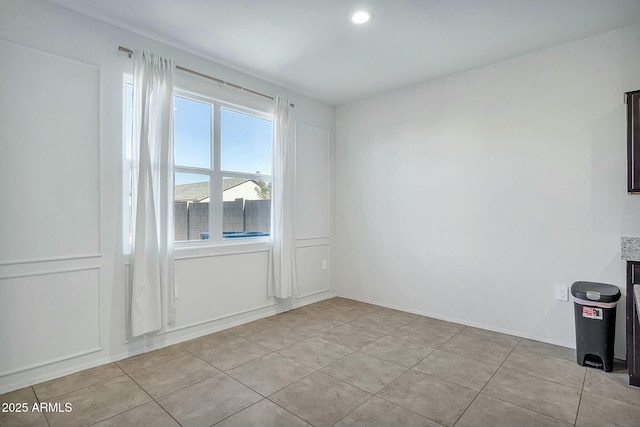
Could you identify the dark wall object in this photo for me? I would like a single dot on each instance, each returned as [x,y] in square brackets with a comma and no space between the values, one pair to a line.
[633,141]
[633,325]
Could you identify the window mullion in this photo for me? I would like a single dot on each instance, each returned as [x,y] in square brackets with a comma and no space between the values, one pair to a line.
[216,179]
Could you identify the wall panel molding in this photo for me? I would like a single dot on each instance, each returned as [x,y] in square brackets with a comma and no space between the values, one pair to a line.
[313,165]
[50,259]
[26,306]
[49,173]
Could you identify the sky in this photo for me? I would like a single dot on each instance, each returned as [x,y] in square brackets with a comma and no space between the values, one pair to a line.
[245,140]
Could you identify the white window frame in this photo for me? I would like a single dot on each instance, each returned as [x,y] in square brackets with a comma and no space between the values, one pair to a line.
[216,174]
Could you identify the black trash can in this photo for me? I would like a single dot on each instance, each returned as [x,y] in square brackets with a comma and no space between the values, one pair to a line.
[595,314]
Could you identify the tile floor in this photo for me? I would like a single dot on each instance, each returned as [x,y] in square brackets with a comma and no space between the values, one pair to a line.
[344,363]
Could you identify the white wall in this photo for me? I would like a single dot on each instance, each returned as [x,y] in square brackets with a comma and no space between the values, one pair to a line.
[62,271]
[469,197]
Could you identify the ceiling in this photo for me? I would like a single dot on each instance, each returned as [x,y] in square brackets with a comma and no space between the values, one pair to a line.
[311,46]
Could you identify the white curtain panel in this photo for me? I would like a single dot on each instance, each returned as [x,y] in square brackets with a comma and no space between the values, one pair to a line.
[282,251]
[152,286]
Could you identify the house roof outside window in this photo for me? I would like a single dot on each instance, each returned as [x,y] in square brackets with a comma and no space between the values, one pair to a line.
[199,191]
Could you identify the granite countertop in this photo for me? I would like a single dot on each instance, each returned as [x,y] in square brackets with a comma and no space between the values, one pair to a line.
[630,251]
[630,248]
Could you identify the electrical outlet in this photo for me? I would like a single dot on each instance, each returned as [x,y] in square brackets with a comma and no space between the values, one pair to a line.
[324,264]
[562,293]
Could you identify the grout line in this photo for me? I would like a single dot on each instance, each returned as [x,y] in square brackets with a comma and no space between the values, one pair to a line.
[407,369]
[584,380]
[356,408]
[487,382]
[79,388]
[153,398]
[524,407]
[368,309]
[39,401]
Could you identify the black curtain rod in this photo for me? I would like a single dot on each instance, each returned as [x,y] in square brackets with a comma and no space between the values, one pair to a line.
[196,73]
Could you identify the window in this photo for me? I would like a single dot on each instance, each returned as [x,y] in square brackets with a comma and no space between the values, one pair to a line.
[222,169]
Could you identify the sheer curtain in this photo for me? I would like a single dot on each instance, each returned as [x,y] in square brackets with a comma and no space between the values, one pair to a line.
[282,251]
[152,287]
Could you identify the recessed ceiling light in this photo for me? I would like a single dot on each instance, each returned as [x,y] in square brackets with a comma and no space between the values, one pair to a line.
[361,16]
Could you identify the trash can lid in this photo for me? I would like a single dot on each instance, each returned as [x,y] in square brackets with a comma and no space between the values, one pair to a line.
[594,291]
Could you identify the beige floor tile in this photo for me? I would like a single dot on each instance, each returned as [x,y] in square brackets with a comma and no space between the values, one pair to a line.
[398,351]
[429,396]
[270,373]
[457,369]
[547,367]
[342,314]
[278,337]
[481,350]
[233,353]
[424,335]
[309,322]
[496,337]
[262,414]
[209,401]
[148,415]
[379,412]
[487,411]
[614,385]
[380,324]
[598,411]
[364,371]
[82,379]
[350,336]
[208,341]
[98,402]
[535,385]
[320,399]
[309,308]
[315,352]
[19,410]
[151,358]
[173,375]
[549,398]
[548,349]
[441,325]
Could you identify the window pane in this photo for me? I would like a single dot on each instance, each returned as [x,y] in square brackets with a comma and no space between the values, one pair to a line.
[126,214]
[245,143]
[192,124]
[247,207]
[128,120]
[191,206]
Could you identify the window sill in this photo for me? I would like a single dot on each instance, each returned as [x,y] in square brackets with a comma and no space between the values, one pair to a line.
[198,249]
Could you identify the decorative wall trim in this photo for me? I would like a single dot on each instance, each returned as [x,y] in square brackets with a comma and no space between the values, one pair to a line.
[328,170]
[210,255]
[310,243]
[51,362]
[50,259]
[95,236]
[275,310]
[314,293]
[203,322]
[100,320]
[48,272]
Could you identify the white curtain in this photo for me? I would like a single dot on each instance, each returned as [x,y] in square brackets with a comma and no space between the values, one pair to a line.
[282,251]
[152,287]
